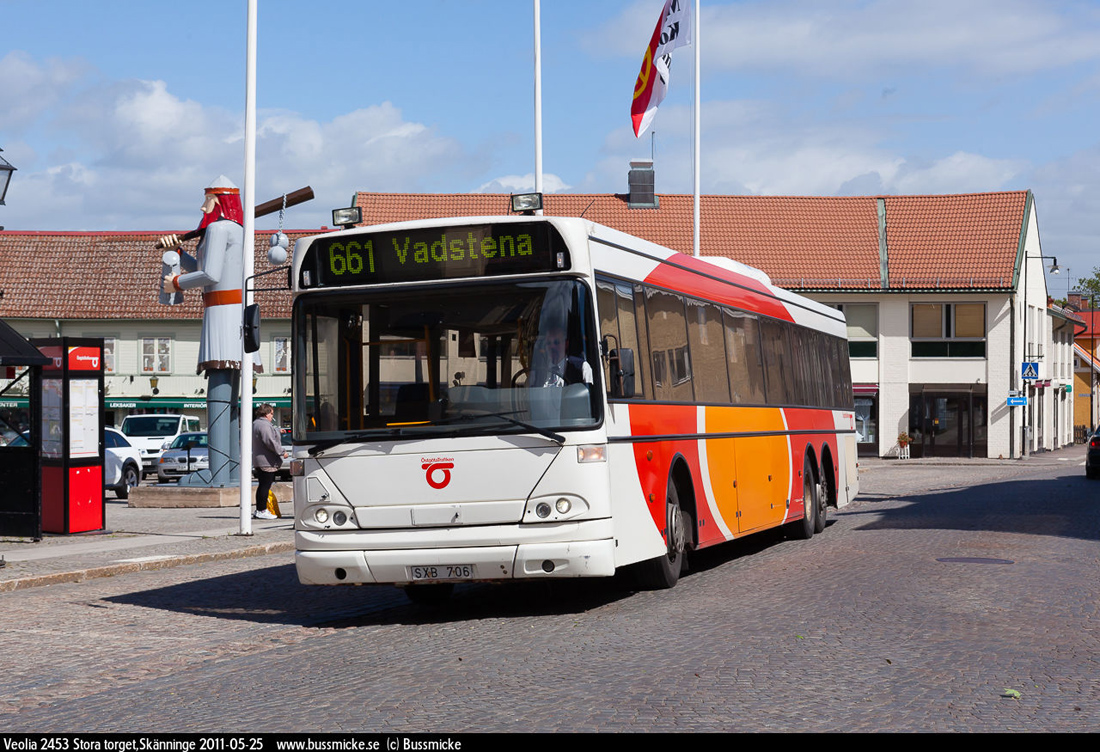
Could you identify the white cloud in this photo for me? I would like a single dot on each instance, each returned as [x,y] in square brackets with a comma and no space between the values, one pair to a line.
[861,39]
[957,173]
[134,155]
[521,183]
[759,148]
[29,89]
[1067,200]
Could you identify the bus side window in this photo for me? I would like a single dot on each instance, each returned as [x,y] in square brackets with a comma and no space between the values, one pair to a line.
[607,308]
[708,352]
[668,336]
[746,368]
[617,303]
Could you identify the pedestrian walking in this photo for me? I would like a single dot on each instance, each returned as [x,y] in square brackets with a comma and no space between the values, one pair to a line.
[267,457]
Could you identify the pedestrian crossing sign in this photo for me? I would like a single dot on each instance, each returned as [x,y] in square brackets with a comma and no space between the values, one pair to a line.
[1030,370]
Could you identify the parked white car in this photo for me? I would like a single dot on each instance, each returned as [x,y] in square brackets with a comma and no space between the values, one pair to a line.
[122,463]
[151,434]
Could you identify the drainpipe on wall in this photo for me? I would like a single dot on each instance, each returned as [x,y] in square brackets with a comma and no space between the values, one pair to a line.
[883,260]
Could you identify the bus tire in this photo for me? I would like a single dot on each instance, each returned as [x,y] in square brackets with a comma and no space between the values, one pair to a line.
[804,529]
[824,493]
[664,571]
[432,594]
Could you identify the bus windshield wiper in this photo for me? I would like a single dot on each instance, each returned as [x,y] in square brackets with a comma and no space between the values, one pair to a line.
[399,432]
[353,438]
[474,415]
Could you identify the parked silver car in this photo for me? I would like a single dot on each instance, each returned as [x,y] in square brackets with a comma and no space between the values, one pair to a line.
[187,453]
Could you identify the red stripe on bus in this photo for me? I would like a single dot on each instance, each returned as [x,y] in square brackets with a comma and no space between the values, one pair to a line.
[654,458]
[756,299]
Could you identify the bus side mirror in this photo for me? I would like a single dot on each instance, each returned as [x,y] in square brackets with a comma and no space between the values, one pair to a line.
[252,328]
[622,372]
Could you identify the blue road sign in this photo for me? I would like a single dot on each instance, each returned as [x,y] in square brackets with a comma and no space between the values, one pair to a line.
[1030,370]
[1017,401]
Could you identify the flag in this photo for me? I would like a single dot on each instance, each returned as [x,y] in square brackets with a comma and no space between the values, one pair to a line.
[673,30]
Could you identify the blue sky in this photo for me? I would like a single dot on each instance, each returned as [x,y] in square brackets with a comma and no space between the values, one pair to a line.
[118,112]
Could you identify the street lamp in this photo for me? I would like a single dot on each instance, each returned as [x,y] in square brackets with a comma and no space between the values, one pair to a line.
[6,169]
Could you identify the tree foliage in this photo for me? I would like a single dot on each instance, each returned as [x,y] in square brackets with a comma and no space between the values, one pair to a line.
[1090,286]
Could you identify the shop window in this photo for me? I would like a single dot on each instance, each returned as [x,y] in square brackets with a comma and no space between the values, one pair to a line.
[866,420]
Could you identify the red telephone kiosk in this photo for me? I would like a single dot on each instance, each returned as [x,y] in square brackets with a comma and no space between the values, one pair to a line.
[72,435]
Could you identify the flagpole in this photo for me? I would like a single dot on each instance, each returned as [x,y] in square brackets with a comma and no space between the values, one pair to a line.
[538,104]
[695,226]
[245,418]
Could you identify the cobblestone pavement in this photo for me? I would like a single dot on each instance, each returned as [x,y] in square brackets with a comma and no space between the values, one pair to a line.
[948,597]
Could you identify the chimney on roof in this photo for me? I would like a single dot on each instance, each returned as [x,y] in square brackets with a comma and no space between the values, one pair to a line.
[1076,300]
[641,182]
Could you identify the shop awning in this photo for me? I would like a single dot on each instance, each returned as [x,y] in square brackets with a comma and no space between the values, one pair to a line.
[179,403]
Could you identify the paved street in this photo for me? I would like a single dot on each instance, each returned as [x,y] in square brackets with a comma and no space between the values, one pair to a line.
[948,597]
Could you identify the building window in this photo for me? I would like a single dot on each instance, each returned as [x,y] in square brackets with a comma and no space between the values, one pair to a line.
[282,355]
[862,329]
[948,330]
[109,355]
[156,355]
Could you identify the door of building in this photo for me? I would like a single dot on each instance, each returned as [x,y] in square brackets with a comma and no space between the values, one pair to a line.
[948,424]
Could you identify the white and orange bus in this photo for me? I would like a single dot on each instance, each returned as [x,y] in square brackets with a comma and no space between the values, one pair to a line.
[501,398]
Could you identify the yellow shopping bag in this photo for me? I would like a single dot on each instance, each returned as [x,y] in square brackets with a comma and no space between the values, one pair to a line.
[273,504]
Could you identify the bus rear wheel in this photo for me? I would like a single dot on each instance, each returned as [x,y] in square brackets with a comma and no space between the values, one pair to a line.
[664,571]
[824,493]
[805,527]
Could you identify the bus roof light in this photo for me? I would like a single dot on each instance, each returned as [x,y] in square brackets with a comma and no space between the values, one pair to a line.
[347,218]
[526,202]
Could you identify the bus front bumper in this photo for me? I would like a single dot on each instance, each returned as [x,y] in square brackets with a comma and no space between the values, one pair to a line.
[534,560]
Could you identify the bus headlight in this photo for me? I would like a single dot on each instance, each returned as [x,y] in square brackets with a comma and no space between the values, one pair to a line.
[592,453]
[554,508]
[321,515]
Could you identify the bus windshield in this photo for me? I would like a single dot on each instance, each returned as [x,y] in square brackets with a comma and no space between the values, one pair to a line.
[482,358]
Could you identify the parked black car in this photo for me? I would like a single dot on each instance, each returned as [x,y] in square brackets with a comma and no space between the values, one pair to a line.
[1092,459]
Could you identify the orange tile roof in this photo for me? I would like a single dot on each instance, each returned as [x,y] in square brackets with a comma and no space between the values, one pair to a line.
[967,240]
[103,275]
[802,242]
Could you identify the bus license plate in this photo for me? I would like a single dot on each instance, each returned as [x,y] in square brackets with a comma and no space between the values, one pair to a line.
[443,572]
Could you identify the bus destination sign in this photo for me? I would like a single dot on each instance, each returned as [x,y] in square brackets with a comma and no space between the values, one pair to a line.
[422,254]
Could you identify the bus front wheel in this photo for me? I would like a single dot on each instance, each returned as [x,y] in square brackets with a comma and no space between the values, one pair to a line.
[664,571]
